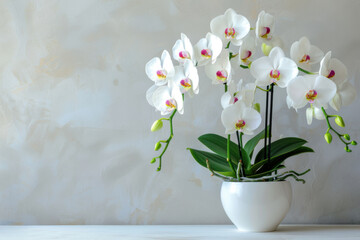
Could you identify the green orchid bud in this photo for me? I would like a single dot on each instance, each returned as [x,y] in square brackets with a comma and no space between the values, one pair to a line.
[346,148]
[157,146]
[347,136]
[257,107]
[353,143]
[328,137]
[339,121]
[153,160]
[266,49]
[157,125]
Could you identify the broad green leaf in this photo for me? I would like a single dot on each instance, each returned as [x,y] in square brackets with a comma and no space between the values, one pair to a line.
[218,144]
[277,160]
[217,163]
[281,146]
[251,144]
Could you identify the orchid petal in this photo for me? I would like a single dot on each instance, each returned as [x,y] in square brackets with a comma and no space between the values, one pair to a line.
[260,70]
[309,115]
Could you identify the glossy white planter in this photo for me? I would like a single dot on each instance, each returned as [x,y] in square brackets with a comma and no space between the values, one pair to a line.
[256,206]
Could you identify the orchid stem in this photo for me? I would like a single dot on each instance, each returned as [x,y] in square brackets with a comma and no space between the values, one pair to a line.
[270,118]
[243,66]
[266,120]
[240,164]
[305,71]
[331,128]
[168,140]
[264,90]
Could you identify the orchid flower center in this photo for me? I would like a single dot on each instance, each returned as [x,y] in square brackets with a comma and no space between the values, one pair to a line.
[265,32]
[161,74]
[305,59]
[229,33]
[246,55]
[185,84]
[235,99]
[240,124]
[275,75]
[331,74]
[311,96]
[221,75]
[184,55]
[206,53]
[170,104]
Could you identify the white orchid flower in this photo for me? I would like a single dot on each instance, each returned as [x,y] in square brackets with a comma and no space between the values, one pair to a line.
[346,94]
[264,26]
[275,68]
[239,92]
[166,99]
[238,117]
[230,27]
[333,69]
[314,89]
[183,50]
[160,70]
[247,50]
[220,71]
[187,78]
[305,54]
[208,49]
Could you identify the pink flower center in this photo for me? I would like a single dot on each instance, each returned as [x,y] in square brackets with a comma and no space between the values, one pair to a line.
[184,55]
[221,75]
[229,33]
[275,75]
[170,104]
[161,74]
[185,84]
[305,59]
[240,124]
[246,56]
[311,96]
[206,53]
[265,32]
[331,74]
[235,99]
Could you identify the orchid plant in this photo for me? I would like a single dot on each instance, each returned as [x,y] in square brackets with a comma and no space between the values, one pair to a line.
[241,114]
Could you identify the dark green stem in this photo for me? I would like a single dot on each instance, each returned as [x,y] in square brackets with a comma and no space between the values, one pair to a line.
[243,66]
[240,168]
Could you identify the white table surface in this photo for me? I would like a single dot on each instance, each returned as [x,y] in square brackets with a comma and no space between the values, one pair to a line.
[173,232]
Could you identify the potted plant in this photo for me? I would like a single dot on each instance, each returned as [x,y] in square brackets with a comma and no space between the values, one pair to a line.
[254,193]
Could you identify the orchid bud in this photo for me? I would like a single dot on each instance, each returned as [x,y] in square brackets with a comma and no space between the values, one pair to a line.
[346,148]
[328,137]
[257,107]
[339,121]
[153,160]
[266,49]
[353,143]
[347,136]
[157,146]
[157,125]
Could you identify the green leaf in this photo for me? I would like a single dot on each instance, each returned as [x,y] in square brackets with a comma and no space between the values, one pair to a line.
[277,160]
[281,146]
[251,144]
[217,163]
[266,173]
[218,144]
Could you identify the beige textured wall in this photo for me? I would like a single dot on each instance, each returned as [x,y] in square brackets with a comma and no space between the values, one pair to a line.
[75,144]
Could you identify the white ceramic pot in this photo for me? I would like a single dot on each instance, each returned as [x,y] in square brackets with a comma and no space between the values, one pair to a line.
[256,206]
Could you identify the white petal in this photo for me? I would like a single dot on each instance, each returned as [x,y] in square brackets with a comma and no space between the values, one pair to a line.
[178,47]
[326,90]
[187,45]
[215,44]
[296,52]
[248,93]
[252,118]
[149,94]
[275,55]
[152,67]
[348,93]
[260,70]
[288,71]
[315,55]
[192,73]
[229,116]
[297,89]
[218,26]
[225,100]
[324,64]
[340,69]
[241,26]
[318,114]
[176,94]
[159,98]
[335,103]
[167,64]
[289,102]
[309,115]
[202,44]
